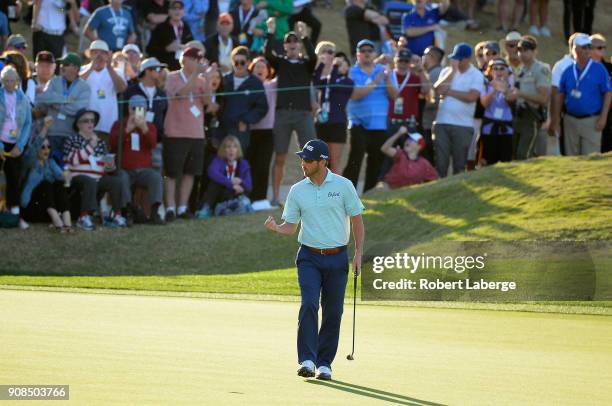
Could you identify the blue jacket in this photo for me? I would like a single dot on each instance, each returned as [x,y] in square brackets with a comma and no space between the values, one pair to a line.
[23,111]
[217,173]
[49,171]
[246,107]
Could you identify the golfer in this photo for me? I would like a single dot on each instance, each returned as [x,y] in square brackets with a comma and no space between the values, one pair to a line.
[323,202]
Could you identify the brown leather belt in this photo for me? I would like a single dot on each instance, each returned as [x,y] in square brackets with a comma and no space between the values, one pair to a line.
[325,251]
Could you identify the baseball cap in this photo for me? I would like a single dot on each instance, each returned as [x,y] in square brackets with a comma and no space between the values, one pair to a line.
[225,18]
[45,56]
[131,47]
[150,63]
[364,42]
[289,35]
[498,61]
[70,59]
[513,36]
[137,101]
[316,150]
[582,40]
[16,41]
[97,45]
[404,54]
[461,51]
[417,139]
[193,52]
[492,45]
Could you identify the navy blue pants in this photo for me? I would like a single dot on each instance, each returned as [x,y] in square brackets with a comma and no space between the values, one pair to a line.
[321,276]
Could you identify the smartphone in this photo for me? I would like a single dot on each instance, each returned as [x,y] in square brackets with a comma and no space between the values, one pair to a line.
[139,112]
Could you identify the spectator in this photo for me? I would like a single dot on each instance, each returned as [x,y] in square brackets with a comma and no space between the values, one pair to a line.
[363,22]
[44,194]
[154,12]
[409,168]
[245,103]
[105,84]
[230,176]
[508,17]
[332,121]
[581,14]
[496,132]
[412,83]
[598,54]
[64,96]
[469,6]
[133,56]
[367,110]
[183,150]
[168,39]
[511,50]
[149,86]
[432,62]
[479,54]
[293,108]
[195,16]
[586,99]
[260,150]
[242,15]
[15,124]
[20,63]
[138,140]
[86,10]
[490,51]
[280,10]
[48,26]
[93,172]
[219,46]
[112,24]
[121,64]
[538,15]
[302,11]
[531,94]
[5,30]
[421,23]
[45,70]
[460,85]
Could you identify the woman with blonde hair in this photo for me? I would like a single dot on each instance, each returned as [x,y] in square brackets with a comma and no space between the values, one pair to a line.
[21,64]
[230,176]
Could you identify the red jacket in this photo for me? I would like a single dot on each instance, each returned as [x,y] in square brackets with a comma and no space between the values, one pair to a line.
[134,156]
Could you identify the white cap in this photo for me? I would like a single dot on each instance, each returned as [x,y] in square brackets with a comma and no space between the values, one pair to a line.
[513,36]
[131,47]
[98,45]
[581,40]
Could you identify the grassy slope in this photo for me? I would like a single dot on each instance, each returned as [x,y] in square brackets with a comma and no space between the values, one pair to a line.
[549,198]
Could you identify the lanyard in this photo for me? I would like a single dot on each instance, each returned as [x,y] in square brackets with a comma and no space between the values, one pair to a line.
[224,51]
[178,30]
[115,19]
[403,85]
[231,169]
[68,89]
[243,19]
[185,80]
[149,100]
[583,74]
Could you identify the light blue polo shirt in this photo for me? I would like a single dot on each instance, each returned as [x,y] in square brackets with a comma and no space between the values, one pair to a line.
[324,210]
[370,111]
[591,89]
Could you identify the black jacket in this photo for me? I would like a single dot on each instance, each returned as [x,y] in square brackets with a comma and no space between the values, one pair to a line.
[248,108]
[212,47]
[160,106]
[235,13]
[162,36]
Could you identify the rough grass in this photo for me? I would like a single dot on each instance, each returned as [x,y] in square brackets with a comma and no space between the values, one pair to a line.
[543,199]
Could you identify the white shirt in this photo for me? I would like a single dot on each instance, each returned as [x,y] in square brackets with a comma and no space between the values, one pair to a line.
[103,97]
[52,16]
[238,81]
[454,111]
[559,68]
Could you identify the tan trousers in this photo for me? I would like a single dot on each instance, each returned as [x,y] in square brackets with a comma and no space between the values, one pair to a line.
[581,137]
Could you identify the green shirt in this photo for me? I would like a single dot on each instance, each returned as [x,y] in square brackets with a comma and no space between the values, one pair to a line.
[324,210]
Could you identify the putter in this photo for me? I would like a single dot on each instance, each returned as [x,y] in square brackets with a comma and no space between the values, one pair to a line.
[350,357]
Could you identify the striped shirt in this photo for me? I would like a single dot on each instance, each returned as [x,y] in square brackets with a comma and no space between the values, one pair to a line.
[82,159]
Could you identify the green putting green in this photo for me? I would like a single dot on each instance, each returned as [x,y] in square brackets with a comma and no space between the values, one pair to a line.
[124,349]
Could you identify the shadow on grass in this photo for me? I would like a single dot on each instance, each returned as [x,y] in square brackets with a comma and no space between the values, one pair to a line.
[373,393]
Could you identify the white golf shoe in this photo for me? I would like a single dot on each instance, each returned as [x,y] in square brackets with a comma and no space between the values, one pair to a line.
[306,369]
[324,373]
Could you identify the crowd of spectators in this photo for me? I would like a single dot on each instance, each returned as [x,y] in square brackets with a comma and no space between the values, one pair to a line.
[106,134]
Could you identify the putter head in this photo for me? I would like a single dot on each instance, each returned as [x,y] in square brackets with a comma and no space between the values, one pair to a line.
[350,357]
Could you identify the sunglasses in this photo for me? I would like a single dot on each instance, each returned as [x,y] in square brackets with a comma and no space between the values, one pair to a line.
[291,40]
[600,47]
[499,68]
[585,47]
[492,53]
[21,46]
[511,45]
[329,51]
[240,62]
[87,121]
[45,146]
[156,69]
